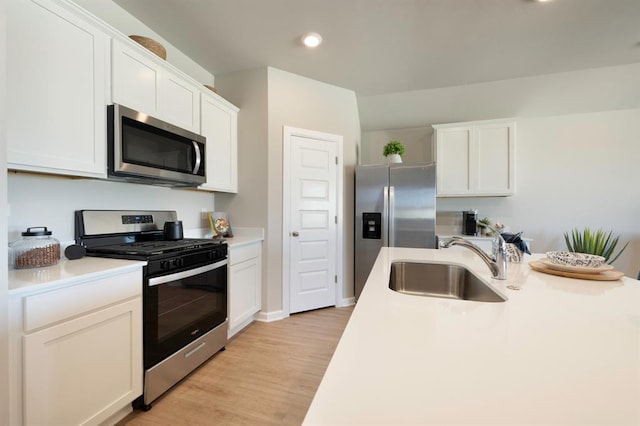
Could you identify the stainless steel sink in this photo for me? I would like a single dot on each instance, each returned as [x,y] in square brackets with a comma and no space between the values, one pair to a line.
[440,280]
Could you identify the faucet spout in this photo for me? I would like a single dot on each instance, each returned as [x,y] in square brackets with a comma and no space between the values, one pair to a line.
[497,263]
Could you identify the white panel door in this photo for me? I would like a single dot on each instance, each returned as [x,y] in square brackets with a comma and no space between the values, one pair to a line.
[313,224]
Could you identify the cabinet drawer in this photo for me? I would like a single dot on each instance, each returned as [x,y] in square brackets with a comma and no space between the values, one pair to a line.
[54,306]
[242,253]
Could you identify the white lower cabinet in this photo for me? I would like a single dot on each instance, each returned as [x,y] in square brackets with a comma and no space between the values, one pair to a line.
[81,351]
[245,285]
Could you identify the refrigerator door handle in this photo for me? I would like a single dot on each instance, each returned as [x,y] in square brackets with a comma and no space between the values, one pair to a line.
[385,216]
[392,228]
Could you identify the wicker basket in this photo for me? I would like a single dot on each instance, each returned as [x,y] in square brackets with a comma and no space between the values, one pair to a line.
[151,45]
[213,89]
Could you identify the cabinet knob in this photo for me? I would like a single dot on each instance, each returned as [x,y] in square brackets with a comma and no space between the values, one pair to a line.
[295,233]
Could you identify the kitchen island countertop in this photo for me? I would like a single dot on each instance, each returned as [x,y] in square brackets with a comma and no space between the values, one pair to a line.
[558,351]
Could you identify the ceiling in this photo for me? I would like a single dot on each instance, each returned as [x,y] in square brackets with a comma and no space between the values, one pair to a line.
[387,46]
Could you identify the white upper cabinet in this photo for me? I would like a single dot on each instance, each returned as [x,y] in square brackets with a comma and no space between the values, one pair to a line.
[475,158]
[64,67]
[144,82]
[219,124]
[57,78]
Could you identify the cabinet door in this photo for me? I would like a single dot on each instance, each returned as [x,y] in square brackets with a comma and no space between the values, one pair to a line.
[57,71]
[84,370]
[245,286]
[179,102]
[142,82]
[495,160]
[219,124]
[135,79]
[453,150]
[475,159]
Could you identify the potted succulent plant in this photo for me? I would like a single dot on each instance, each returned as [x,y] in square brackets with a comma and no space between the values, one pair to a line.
[394,151]
[598,243]
[485,226]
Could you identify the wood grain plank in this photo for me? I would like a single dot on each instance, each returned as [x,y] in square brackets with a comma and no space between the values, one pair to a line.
[268,375]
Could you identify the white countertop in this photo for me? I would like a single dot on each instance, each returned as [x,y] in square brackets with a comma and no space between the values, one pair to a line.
[559,351]
[241,236]
[241,240]
[67,272]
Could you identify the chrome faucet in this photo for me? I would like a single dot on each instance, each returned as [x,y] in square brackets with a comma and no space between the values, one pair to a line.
[497,263]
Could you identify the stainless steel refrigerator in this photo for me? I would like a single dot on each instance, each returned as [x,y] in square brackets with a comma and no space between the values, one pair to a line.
[395,207]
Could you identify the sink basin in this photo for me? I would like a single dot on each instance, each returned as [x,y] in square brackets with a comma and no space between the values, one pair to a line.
[440,280]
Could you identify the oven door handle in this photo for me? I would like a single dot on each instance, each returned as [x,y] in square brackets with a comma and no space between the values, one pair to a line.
[186,274]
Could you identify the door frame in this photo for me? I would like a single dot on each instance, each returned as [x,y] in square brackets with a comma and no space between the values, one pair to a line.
[287,134]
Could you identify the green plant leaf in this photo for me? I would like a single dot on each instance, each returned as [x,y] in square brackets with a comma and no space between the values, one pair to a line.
[393,147]
[599,243]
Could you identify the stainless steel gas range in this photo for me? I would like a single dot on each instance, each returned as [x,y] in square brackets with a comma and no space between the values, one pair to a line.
[184,290]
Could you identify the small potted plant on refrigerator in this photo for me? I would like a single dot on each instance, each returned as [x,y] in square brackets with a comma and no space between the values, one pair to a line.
[394,151]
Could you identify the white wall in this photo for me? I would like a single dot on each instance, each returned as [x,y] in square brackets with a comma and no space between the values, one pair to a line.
[4,345]
[248,91]
[248,208]
[300,102]
[601,89]
[42,200]
[571,171]
[268,100]
[123,21]
[576,150]
[417,143]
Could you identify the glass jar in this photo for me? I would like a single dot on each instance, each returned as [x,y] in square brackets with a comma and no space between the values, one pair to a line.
[36,249]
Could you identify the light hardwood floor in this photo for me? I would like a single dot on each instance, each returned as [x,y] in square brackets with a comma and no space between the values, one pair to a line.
[268,375]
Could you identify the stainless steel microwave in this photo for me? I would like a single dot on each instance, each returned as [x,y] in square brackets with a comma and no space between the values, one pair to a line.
[143,149]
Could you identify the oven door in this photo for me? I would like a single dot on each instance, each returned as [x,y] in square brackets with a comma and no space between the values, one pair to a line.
[182,306]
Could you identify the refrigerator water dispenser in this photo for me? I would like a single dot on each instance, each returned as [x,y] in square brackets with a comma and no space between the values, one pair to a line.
[372,226]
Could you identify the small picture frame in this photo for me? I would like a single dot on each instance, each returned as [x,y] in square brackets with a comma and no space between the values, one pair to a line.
[220,226]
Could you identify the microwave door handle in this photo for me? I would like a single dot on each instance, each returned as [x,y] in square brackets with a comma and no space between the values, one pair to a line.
[196,147]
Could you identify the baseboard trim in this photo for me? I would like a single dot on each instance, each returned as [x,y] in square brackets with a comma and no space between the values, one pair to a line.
[271,316]
[349,301]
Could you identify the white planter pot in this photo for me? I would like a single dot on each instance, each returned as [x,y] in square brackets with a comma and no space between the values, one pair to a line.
[394,158]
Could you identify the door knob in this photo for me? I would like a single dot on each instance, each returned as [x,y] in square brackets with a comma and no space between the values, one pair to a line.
[295,233]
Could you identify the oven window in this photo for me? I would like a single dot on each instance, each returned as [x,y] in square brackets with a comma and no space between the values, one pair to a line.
[180,311]
[181,305]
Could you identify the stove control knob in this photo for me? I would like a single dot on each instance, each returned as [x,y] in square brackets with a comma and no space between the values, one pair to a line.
[165,265]
[179,262]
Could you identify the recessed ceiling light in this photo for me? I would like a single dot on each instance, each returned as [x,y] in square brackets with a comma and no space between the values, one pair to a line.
[312,40]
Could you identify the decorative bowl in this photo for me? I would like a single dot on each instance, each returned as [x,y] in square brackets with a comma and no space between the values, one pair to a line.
[575,259]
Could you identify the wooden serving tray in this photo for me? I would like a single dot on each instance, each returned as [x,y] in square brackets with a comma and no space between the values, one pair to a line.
[610,275]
